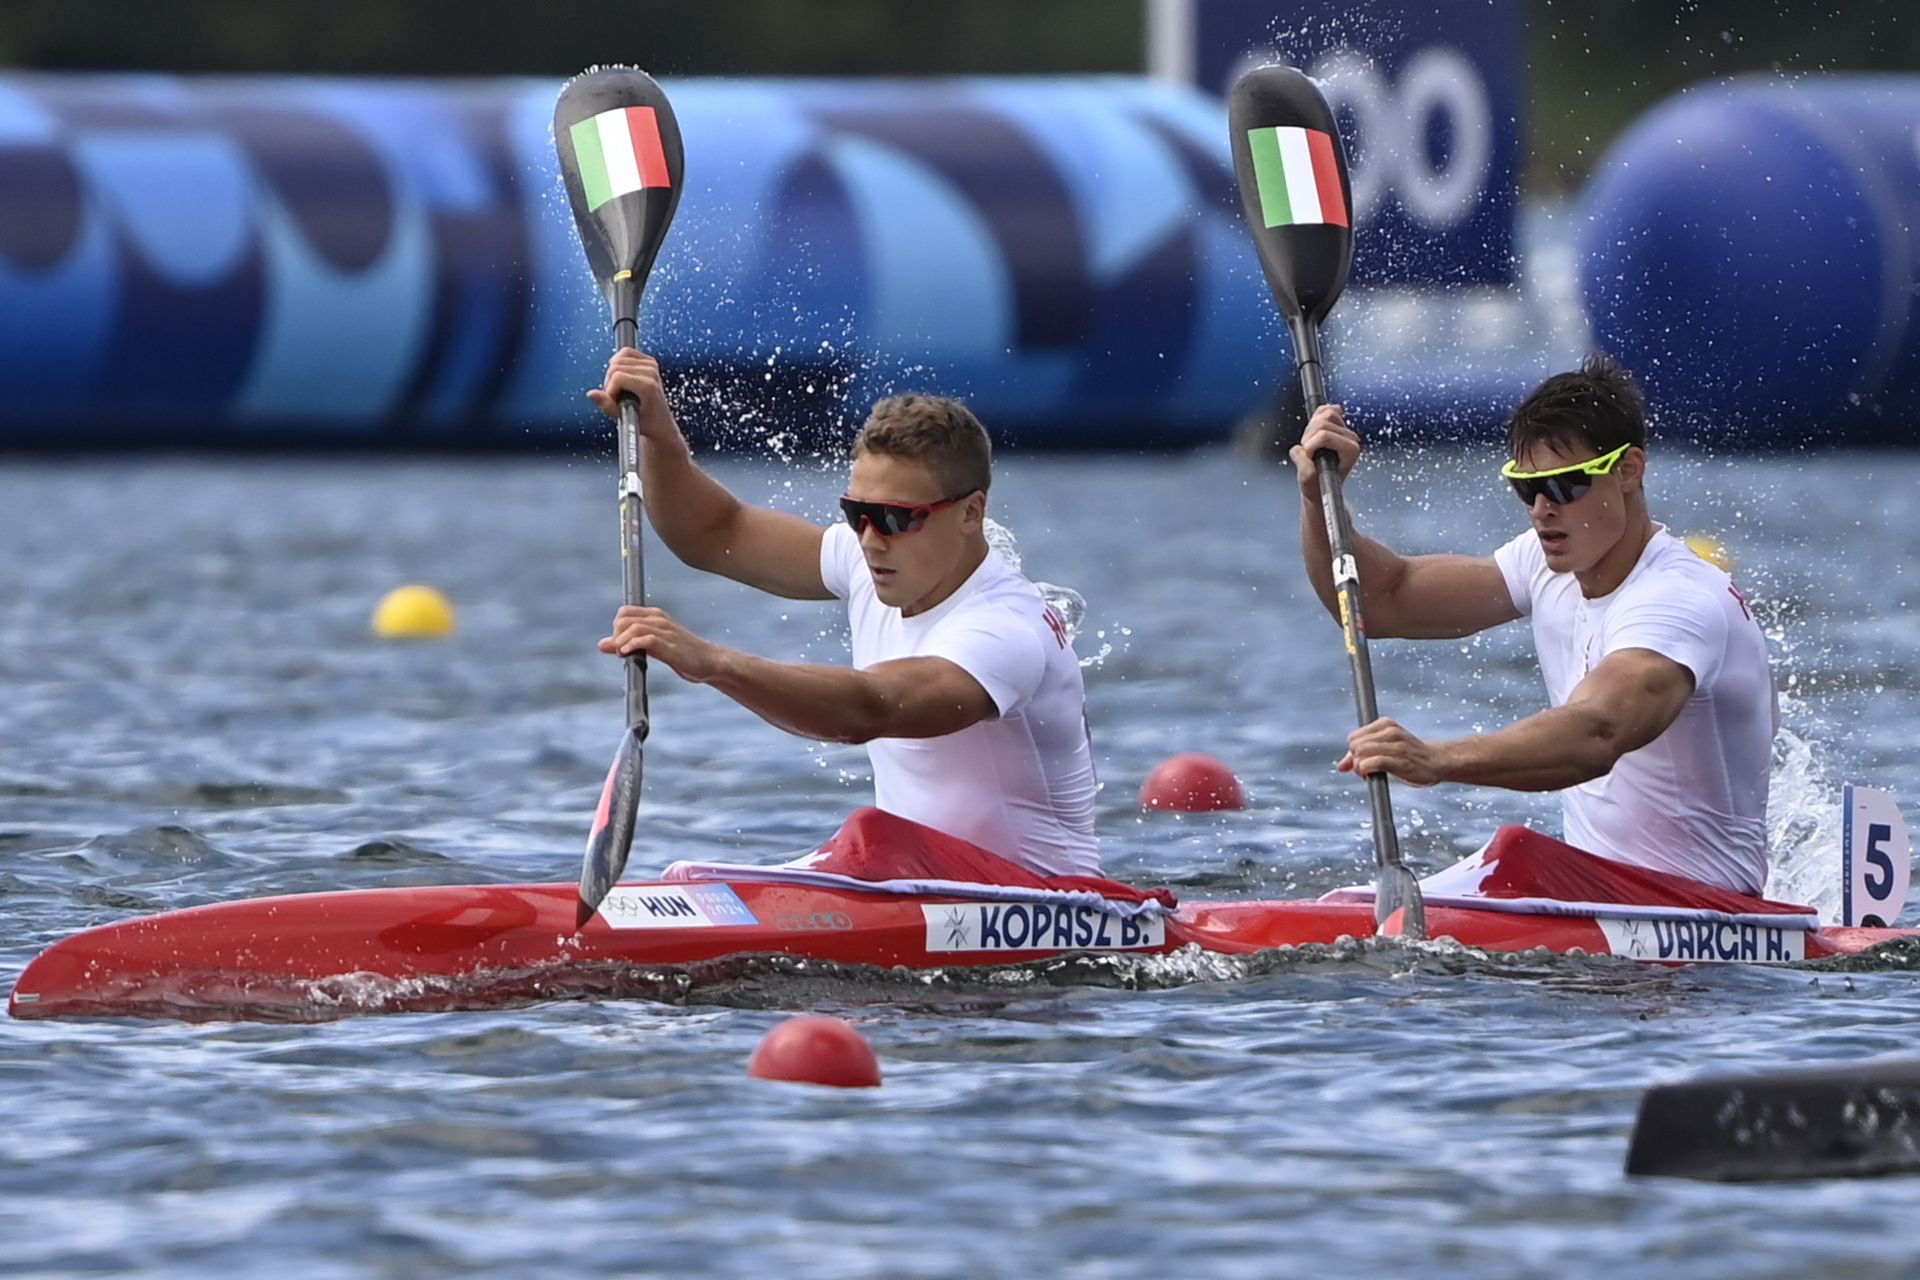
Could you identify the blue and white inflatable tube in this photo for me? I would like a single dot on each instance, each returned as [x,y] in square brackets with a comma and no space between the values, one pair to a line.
[205,261]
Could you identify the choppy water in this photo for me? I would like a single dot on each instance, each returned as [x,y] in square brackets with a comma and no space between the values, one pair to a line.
[192,710]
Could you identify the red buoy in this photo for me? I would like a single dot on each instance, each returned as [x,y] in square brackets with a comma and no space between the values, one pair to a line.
[1192,783]
[816,1049]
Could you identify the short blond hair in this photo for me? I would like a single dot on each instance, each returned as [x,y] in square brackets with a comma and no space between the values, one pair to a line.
[936,431]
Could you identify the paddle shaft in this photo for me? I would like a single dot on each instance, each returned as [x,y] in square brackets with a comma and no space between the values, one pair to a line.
[612,836]
[621,159]
[1395,882]
[633,508]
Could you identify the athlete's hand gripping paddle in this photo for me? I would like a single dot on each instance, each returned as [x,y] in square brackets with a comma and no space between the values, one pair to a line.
[621,158]
[1293,185]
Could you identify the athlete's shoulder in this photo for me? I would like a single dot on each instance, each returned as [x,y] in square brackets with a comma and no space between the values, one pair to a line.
[1021,619]
[1005,603]
[1675,572]
[998,585]
[1520,558]
[1532,587]
[1521,547]
[1689,610]
[840,562]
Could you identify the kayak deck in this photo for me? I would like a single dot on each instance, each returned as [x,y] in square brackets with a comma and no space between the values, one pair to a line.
[324,955]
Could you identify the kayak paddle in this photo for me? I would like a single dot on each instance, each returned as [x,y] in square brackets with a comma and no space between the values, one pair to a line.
[620,155]
[1293,185]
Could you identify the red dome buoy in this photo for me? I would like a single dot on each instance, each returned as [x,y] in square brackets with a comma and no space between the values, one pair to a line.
[1192,783]
[816,1049]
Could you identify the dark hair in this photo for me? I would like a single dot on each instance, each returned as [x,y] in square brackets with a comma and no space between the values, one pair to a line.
[938,431]
[1598,405]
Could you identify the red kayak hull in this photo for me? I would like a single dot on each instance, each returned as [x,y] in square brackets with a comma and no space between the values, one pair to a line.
[324,955]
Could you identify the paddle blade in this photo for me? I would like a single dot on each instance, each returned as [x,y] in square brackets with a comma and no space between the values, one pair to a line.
[612,836]
[621,158]
[1395,889]
[1293,185]
[1856,1120]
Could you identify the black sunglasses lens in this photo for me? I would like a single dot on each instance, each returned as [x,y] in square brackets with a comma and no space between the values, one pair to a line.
[908,519]
[1565,489]
[890,520]
[1559,490]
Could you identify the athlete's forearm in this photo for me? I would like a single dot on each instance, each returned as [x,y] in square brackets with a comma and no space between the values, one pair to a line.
[1557,748]
[829,704]
[690,510]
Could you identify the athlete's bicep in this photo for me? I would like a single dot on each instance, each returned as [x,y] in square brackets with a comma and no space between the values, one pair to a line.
[775,551]
[1637,693]
[928,697]
[1439,597]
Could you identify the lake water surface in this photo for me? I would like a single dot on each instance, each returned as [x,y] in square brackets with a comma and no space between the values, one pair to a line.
[193,710]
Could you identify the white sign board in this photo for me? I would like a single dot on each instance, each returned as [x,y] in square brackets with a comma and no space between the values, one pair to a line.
[1876,859]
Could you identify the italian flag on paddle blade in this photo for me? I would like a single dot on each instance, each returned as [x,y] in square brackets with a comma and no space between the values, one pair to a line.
[619,152]
[1298,176]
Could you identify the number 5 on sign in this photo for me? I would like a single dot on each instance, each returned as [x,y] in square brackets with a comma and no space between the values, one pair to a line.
[1876,858]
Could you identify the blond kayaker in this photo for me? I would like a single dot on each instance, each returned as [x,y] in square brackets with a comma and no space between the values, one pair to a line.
[964,684]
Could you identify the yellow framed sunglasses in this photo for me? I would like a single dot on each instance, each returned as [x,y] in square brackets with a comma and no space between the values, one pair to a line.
[1561,485]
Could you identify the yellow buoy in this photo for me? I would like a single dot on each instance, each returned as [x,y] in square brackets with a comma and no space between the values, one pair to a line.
[1710,549]
[413,612]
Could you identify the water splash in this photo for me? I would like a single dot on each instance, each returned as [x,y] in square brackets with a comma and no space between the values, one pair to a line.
[1065,601]
[1803,827]
[1001,539]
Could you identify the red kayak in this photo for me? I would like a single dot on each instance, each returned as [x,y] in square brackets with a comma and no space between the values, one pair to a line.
[324,955]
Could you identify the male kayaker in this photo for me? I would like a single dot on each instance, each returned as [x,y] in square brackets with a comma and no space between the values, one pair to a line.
[963,686]
[1663,710]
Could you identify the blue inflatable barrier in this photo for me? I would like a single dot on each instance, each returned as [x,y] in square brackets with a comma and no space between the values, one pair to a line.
[1752,251]
[198,261]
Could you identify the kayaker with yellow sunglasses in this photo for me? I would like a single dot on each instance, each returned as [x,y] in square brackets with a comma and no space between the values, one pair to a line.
[1660,731]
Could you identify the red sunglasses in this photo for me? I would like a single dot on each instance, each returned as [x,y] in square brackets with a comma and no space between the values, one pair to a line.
[893,518]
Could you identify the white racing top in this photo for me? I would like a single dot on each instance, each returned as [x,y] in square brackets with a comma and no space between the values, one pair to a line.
[1694,800]
[1021,784]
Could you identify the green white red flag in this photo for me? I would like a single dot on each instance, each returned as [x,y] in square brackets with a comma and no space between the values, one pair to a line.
[1298,176]
[619,152]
